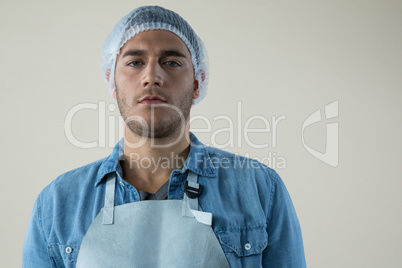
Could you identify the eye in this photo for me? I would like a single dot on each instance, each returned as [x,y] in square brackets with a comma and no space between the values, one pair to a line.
[134,63]
[172,63]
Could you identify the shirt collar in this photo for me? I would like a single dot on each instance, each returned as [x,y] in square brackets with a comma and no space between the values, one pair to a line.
[198,160]
[111,163]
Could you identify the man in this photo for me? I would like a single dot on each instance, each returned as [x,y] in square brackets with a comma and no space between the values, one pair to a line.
[201,207]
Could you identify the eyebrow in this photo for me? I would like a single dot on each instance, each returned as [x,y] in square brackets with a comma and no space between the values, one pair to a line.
[164,53]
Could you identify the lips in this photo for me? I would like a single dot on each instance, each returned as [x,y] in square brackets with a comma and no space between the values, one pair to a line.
[152,100]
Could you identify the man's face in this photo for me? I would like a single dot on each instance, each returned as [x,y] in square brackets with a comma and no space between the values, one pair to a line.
[155,82]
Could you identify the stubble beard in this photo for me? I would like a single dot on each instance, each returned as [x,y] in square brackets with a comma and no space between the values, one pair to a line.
[157,129]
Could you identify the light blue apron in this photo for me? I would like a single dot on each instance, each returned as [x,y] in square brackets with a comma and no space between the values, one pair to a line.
[155,233]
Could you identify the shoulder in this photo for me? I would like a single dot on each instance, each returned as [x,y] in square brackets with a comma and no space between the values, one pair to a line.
[222,159]
[73,182]
[244,176]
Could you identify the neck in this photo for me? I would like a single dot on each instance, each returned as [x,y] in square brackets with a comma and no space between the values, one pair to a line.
[149,162]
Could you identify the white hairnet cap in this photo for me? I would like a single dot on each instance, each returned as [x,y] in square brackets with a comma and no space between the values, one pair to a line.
[154,18]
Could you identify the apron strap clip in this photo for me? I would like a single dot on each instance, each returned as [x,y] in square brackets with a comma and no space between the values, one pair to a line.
[192,191]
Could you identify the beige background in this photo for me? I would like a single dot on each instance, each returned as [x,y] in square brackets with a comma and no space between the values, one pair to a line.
[278,58]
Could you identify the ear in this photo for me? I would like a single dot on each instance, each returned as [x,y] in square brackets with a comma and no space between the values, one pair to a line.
[114,94]
[196,92]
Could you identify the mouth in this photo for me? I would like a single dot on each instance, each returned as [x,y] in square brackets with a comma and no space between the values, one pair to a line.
[152,100]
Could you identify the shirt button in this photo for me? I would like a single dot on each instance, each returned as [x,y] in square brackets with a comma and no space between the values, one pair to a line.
[247,246]
[122,183]
[69,250]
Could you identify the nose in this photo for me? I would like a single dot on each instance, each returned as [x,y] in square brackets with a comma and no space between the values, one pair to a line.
[152,75]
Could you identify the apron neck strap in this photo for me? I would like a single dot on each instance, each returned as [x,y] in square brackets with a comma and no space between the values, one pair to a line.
[108,209]
[191,208]
[192,190]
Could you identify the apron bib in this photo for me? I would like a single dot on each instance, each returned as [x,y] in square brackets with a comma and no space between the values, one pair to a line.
[155,233]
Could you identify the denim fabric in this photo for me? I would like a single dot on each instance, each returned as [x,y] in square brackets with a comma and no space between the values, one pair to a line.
[253,215]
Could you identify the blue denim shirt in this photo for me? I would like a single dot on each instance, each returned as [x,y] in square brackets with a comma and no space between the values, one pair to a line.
[253,215]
